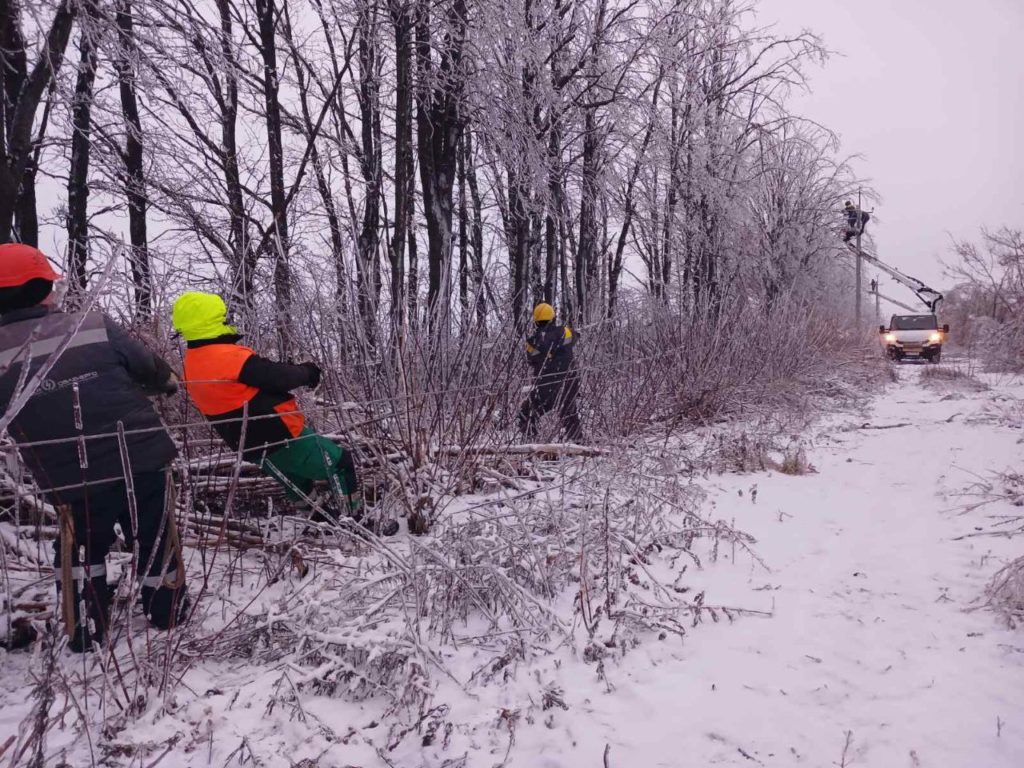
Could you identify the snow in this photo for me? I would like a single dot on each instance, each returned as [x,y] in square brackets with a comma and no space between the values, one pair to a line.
[874,650]
[870,636]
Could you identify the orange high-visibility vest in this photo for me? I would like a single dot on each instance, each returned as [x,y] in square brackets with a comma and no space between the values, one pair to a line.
[211,378]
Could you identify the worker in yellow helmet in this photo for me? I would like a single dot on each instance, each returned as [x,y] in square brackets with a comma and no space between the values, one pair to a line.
[549,351]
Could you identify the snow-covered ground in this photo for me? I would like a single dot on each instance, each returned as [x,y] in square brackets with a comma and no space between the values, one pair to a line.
[870,656]
[870,652]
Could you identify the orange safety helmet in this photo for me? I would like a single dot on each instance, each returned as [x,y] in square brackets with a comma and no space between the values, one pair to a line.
[20,263]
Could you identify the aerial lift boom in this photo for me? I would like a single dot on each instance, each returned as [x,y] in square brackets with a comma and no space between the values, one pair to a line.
[928,296]
[899,304]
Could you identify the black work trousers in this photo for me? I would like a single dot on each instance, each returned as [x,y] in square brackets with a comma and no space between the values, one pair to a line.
[94,516]
[549,393]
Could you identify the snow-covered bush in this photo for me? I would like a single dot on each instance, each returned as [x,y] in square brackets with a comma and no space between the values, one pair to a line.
[986,309]
[1005,592]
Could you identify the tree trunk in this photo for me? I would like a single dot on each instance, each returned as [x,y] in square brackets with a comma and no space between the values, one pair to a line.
[326,197]
[266,13]
[413,287]
[401,17]
[243,260]
[629,208]
[518,235]
[21,99]
[13,74]
[554,253]
[677,133]
[477,232]
[554,224]
[135,176]
[586,261]
[78,174]
[438,127]
[463,240]
[367,269]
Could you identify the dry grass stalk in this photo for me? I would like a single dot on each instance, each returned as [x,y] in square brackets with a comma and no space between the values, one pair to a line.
[1005,593]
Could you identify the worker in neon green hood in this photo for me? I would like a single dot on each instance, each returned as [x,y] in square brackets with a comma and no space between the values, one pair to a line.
[198,316]
[248,400]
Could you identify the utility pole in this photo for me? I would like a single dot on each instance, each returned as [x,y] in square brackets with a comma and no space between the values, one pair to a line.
[878,300]
[860,228]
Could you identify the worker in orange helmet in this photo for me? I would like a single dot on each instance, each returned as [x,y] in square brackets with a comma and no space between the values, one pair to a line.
[68,383]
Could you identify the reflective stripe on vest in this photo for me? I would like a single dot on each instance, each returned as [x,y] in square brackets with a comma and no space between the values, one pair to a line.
[80,572]
[160,579]
[16,343]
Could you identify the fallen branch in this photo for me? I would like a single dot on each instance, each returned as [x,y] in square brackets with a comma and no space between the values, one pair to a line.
[526,449]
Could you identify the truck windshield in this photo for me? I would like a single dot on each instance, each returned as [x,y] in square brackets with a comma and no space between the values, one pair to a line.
[914,323]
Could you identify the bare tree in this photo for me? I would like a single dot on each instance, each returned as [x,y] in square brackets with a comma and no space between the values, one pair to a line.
[267,15]
[81,149]
[134,159]
[403,233]
[305,76]
[368,257]
[985,309]
[22,94]
[439,98]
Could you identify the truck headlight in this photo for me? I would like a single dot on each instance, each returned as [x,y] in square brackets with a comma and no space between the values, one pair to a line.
[890,338]
[935,338]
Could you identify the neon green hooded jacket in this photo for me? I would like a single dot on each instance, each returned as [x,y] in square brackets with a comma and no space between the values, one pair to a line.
[198,316]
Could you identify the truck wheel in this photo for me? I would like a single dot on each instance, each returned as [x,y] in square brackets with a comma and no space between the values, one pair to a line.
[937,357]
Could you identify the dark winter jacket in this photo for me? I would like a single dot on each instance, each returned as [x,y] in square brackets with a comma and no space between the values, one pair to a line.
[231,385]
[549,351]
[113,373]
[856,218]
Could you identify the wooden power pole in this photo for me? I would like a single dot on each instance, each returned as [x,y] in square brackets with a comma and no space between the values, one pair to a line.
[859,286]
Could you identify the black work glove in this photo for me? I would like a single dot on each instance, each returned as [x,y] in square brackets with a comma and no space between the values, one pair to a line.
[314,374]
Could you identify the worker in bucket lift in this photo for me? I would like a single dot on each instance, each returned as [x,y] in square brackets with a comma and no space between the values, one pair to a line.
[549,351]
[67,410]
[242,393]
[856,220]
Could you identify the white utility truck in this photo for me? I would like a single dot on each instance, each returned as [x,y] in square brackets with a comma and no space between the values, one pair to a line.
[914,336]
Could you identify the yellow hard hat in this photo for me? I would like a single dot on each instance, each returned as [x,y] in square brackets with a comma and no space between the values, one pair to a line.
[197,316]
[542,312]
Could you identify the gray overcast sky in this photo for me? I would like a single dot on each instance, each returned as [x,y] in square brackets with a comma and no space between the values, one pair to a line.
[931,93]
